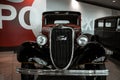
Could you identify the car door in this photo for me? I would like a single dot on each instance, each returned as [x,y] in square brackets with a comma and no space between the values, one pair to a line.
[99,24]
[109,32]
[118,34]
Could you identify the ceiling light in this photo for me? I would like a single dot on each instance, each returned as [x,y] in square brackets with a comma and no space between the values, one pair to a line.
[74,4]
[113,1]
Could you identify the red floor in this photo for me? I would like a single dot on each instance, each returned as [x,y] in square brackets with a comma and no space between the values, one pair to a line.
[8,65]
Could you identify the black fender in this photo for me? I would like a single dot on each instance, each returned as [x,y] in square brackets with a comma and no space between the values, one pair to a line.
[95,38]
[90,52]
[31,49]
[91,37]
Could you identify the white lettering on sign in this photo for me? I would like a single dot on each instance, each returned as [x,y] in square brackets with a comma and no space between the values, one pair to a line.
[21,18]
[10,17]
[36,10]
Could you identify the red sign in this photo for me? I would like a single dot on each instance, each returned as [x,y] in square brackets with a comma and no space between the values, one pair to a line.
[16,24]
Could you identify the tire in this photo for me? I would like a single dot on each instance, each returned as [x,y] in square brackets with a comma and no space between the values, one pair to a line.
[97,66]
[27,66]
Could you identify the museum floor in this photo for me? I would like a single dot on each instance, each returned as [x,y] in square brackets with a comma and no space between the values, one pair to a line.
[8,64]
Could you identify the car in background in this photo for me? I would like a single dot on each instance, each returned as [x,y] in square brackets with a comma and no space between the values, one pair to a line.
[61,51]
[107,32]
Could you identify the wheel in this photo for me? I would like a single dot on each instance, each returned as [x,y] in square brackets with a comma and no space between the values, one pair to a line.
[27,66]
[95,66]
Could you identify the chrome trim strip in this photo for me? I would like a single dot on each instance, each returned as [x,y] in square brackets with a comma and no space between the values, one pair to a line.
[72,48]
[63,72]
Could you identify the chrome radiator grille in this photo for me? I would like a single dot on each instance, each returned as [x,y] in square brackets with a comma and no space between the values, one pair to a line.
[61,45]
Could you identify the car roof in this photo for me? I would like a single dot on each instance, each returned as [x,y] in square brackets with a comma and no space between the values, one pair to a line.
[61,12]
[108,17]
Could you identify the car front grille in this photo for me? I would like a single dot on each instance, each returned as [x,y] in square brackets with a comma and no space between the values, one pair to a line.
[61,45]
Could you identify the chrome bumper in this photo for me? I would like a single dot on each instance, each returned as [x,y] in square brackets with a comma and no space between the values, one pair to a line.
[63,72]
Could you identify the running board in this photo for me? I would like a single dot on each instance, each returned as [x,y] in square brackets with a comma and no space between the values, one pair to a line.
[63,72]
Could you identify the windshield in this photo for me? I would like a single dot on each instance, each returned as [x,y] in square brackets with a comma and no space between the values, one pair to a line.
[62,19]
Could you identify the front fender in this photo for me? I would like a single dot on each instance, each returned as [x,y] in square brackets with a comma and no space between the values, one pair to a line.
[91,52]
[29,50]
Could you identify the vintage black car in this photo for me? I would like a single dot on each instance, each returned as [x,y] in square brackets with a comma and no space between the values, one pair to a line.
[107,31]
[61,51]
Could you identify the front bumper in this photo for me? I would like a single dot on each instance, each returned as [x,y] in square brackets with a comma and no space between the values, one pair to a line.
[63,72]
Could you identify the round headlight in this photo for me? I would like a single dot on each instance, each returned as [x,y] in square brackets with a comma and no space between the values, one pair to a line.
[41,40]
[82,40]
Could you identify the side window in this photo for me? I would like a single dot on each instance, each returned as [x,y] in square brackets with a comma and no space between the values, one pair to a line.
[101,23]
[110,23]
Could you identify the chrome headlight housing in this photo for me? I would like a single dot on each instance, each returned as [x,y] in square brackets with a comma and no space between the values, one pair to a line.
[82,40]
[41,40]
